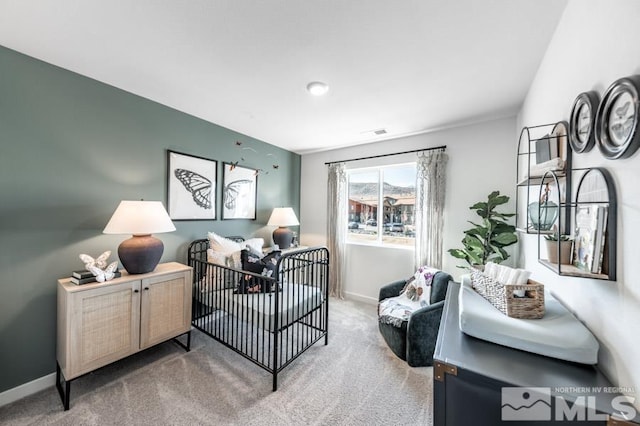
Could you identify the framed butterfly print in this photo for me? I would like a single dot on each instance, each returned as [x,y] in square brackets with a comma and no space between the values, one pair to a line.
[239,194]
[191,186]
[582,122]
[618,119]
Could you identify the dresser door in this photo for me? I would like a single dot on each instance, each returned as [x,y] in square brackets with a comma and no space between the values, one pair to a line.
[104,326]
[165,307]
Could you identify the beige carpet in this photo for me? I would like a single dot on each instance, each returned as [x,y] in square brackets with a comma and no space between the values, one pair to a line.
[355,380]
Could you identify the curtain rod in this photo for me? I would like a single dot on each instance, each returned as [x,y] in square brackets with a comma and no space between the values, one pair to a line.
[443,147]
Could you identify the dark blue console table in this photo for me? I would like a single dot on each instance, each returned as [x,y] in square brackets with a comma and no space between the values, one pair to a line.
[469,375]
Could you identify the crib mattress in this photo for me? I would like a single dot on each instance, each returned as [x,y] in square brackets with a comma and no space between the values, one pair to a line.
[295,301]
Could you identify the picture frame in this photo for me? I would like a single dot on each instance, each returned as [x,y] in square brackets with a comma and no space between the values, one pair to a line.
[559,137]
[239,192]
[617,119]
[191,186]
[582,121]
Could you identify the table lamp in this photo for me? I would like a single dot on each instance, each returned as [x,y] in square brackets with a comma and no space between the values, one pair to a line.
[142,252]
[283,217]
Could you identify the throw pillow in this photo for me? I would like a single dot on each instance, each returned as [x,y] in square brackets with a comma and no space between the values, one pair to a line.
[218,276]
[254,244]
[222,244]
[229,259]
[223,259]
[265,266]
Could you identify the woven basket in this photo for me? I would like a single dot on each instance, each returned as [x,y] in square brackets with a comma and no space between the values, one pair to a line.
[531,306]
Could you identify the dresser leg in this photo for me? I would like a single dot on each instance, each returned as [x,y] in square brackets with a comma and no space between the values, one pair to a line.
[186,347]
[64,393]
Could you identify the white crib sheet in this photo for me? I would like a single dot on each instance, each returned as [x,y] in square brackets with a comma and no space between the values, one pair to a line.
[296,300]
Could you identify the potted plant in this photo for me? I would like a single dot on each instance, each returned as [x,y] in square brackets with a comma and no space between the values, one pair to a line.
[566,244]
[485,242]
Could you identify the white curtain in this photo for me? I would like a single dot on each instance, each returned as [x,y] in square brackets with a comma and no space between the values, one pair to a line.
[336,227]
[430,191]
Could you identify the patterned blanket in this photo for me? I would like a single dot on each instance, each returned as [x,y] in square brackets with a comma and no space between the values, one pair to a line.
[414,295]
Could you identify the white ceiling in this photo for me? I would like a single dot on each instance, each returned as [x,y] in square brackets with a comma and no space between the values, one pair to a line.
[407,66]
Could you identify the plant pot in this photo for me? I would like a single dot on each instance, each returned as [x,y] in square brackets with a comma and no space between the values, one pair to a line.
[565,251]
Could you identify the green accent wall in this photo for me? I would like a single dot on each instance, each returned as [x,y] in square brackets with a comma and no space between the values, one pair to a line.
[70,149]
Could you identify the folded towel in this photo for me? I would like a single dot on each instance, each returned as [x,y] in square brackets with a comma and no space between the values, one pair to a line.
[506,275]
[503,274]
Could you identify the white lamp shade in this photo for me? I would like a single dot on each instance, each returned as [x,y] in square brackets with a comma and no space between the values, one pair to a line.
[283,216]
[139,218]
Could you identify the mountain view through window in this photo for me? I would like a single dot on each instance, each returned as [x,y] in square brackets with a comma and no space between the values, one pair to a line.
[382,213]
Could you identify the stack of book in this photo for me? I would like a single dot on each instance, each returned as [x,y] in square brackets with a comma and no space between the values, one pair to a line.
[590,237]
[85,277]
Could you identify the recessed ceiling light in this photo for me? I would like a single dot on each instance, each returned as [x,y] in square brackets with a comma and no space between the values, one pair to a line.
[317,88]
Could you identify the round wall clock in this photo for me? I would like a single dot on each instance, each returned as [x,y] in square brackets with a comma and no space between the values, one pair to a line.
[581,123]
[617,119]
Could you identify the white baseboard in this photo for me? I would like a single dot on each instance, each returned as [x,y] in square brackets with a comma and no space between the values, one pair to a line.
[34,386]
[360,298]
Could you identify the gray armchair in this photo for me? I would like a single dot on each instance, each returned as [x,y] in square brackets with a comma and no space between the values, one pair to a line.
[415,340]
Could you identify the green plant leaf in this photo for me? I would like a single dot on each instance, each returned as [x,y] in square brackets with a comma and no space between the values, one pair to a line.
[479,206]
[472,242]
[504,215]
[460,254]
[505,238]
[499,200]
[485,240]
[475,259]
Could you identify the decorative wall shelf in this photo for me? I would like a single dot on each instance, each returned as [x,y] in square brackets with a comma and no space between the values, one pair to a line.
[529,174]
[594,209]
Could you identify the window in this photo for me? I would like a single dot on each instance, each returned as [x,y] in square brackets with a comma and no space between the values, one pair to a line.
[393,222]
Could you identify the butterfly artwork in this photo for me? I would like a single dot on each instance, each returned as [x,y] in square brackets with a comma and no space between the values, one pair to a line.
[249,149]
[191,192]
[274,160]
[98,266]
[239,192]
[100,261]
[621,119]
[198,185]
[233,190]
[584,122]
[105,274]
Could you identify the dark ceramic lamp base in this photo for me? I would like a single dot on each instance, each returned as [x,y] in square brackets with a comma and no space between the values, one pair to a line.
[140,254]
[283,237]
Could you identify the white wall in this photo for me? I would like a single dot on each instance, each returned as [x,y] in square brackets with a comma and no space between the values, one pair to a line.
[596,42]
[481,159]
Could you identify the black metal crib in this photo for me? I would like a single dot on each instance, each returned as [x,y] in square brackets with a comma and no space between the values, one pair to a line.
[270,328]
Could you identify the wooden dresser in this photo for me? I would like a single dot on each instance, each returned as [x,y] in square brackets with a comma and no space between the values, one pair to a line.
[100,323]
